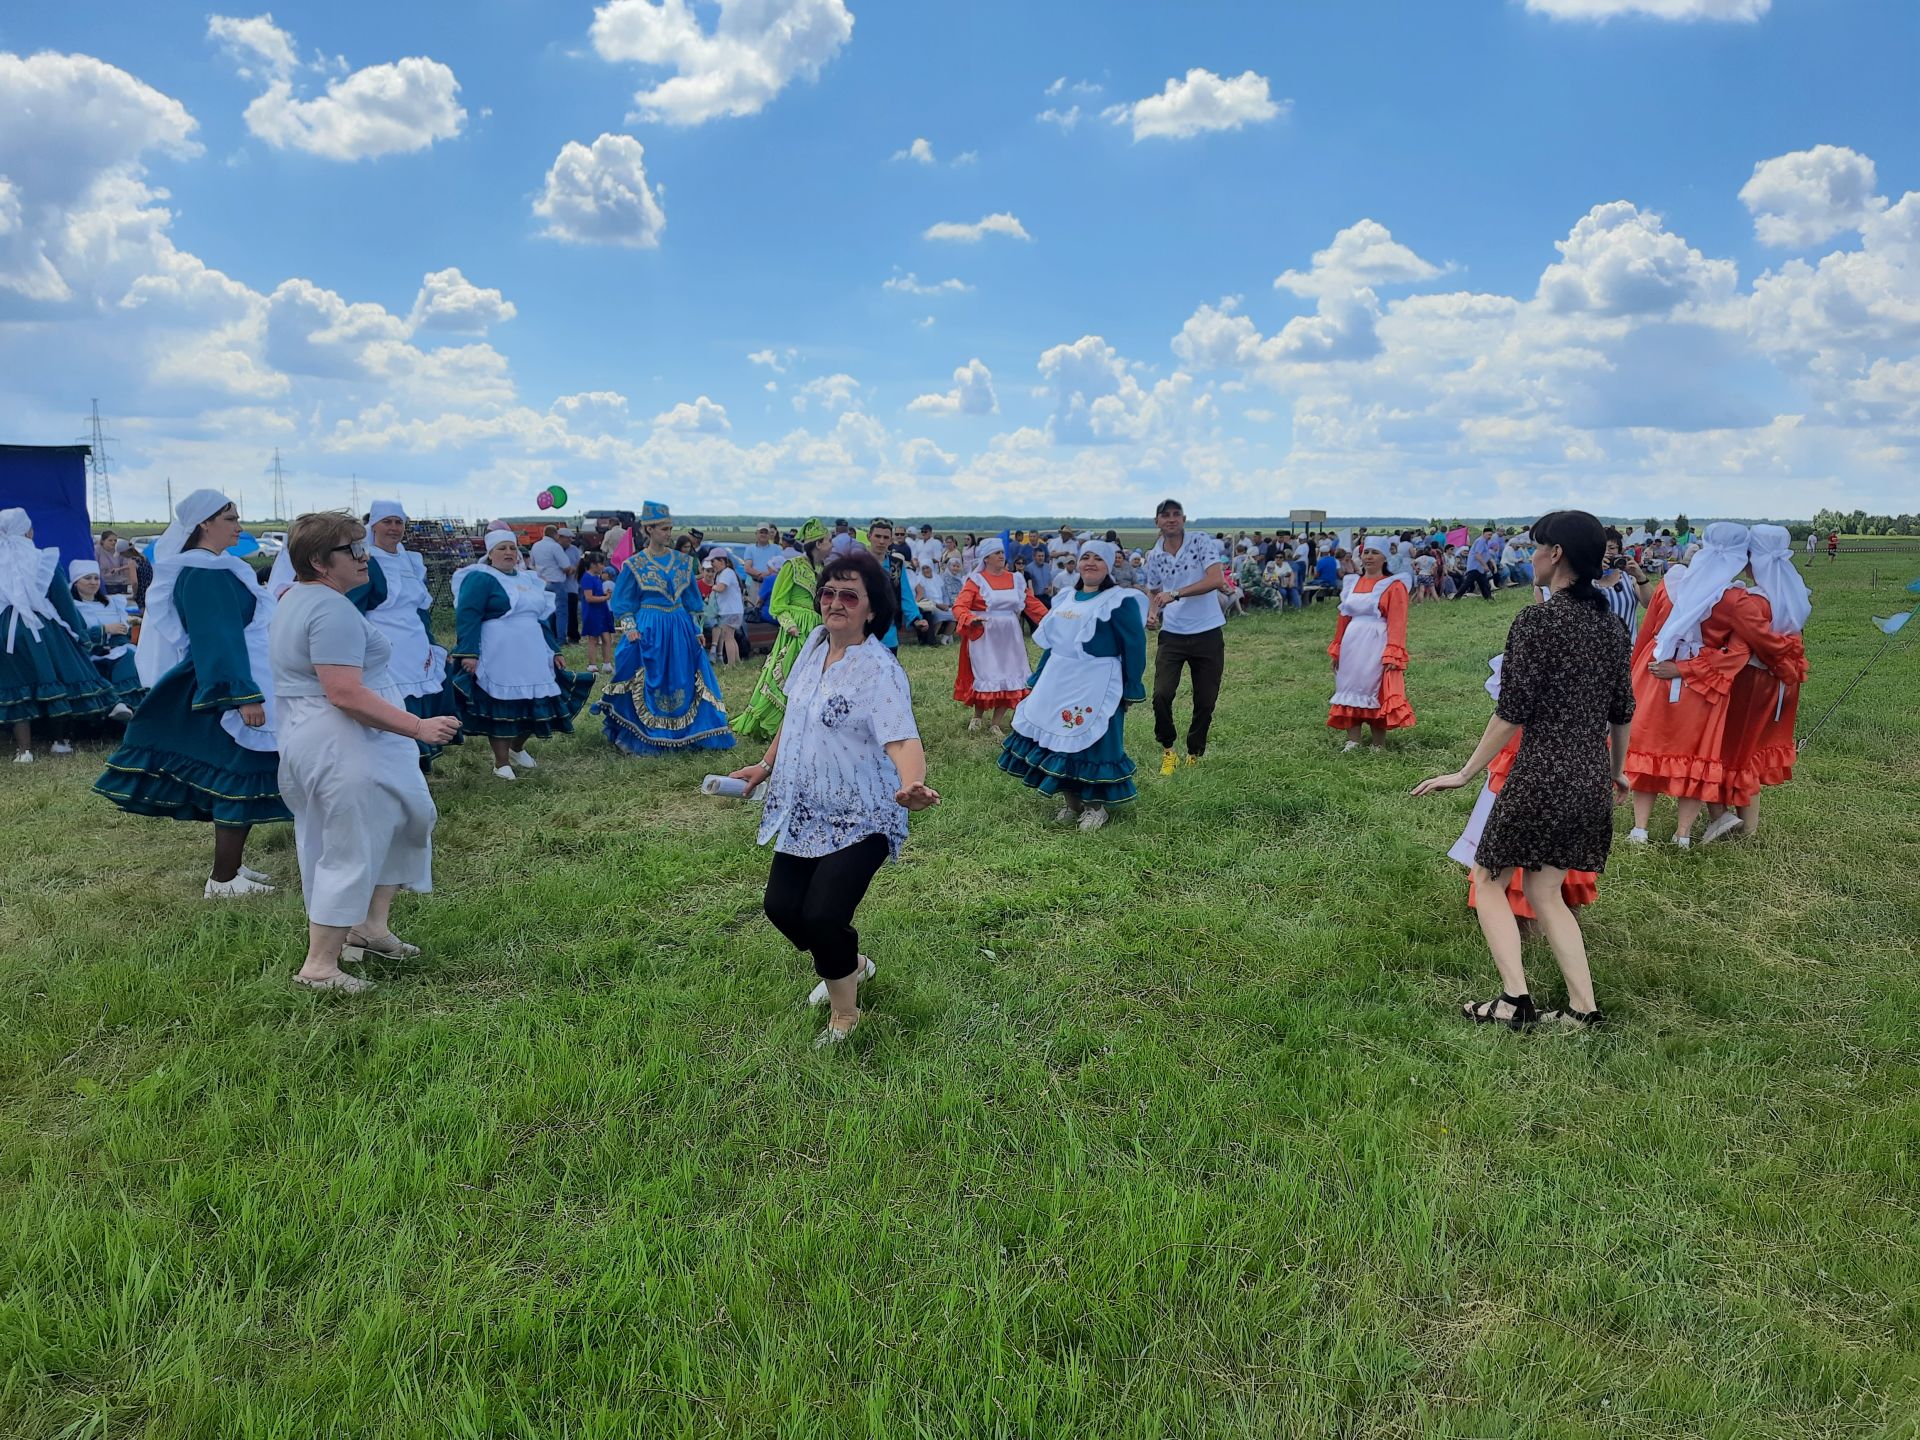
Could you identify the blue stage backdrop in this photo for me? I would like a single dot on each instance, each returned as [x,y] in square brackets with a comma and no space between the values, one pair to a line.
[49,482]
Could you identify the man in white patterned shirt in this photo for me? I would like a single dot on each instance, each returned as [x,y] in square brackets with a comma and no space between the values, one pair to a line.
[1184,572]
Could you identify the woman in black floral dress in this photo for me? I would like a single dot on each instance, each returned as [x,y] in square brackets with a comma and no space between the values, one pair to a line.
[1564,683]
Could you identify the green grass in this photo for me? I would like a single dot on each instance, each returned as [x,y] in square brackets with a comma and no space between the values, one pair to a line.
[1168,1132]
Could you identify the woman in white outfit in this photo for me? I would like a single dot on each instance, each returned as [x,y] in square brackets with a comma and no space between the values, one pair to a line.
[993,652]
[349,770]
[397,602]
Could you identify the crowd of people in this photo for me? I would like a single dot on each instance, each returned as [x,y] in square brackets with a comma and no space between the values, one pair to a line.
[322,696]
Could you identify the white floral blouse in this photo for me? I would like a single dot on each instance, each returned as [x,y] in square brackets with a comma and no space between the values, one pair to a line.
[833,783]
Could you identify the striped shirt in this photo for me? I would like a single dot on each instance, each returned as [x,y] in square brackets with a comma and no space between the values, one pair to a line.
[1622,599]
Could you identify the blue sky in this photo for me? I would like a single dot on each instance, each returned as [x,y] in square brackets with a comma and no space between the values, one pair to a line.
[1621,253]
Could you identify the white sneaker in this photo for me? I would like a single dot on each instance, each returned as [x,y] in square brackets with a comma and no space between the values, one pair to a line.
[1721,828]
[523,760]
[973,727]
[256,876]
[234,889]
[996,732]
[25,757]
[818,995]
[1685,842]
[121,713]
[1350,745]
[61,747]
[1636,836]
[1067,815]
[1095,817]
[505,772]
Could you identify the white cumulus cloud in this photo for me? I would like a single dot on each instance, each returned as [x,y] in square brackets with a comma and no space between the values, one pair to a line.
[1363,254]
[1201,102]
[755,50]
[922,457]
[254,45]
[972,394]
[1066,119]
[598,195]
[920,152]
[834,392]
[911,284]
[702,417]
[775,360]
[1809,196]
[997,224]
[1621,260]
[1652,9]
[390,109]
[451,302]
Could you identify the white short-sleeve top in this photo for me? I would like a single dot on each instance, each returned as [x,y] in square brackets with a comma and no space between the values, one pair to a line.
[833,783]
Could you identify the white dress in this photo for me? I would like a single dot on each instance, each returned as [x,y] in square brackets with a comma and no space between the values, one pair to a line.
[999,655]
[362,815]
[516,663]
[1077,694]
[1362,648]
[418,665]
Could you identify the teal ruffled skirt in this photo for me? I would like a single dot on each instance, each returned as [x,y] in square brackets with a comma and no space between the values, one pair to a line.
[177,762]
[48,677]
[486,715]
[1101,774]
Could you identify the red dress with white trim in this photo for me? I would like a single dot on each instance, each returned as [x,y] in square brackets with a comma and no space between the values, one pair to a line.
[1369,653]
[994,667]
[1680,726]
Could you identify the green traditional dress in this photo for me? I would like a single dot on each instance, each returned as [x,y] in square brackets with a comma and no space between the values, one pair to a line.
[795,610]
[516,690]
[1069,734]
[48,676]
[179,758]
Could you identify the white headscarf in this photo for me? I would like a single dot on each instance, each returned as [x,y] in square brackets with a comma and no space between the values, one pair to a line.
[1722,557]
[1774,576]
[78,568]
[990,547]
[25,574]
[163,639]
[385,510]
[1105,549]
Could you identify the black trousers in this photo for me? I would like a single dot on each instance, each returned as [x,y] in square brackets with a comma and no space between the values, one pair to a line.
[811,901]
[1205,655]
[573,617]
[1474,580]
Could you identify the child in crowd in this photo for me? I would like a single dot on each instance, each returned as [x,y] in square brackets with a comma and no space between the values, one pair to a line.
[596,614]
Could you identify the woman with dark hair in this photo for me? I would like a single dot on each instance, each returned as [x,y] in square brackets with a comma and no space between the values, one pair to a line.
[1069,734]
[1564,683]
[108,628]
[1623,584]
[793,609]
[841,776]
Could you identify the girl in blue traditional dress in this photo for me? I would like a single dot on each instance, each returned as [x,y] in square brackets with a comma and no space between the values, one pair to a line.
[1069,733]
[107,636]
[509,680]
[202,744]
[45,674]
[663,696]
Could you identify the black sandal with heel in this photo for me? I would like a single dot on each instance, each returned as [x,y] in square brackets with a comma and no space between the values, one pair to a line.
[1524,1015]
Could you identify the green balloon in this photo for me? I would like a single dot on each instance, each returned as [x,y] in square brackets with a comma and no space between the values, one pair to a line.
[559,496]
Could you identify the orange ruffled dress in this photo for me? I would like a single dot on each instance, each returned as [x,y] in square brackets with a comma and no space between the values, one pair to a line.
[1758,748]
[1680,727]
[1393,712]
[970,608]
[1577,887]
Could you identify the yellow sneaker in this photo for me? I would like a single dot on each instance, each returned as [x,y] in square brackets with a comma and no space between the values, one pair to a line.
[1168,760]
[1193,759]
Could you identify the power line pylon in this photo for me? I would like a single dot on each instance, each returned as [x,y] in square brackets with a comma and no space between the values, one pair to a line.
[97,439]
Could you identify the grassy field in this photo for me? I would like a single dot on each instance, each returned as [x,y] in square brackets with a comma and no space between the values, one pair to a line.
[1170,1131]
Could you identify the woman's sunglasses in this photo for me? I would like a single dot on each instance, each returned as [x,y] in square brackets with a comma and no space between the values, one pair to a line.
[834,595]
[356,548]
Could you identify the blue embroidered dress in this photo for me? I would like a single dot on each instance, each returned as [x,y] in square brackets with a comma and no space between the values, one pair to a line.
[1084,683]
[664,695]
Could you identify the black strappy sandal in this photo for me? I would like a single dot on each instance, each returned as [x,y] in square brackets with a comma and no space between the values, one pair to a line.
[1524,1015]
[1574,1019]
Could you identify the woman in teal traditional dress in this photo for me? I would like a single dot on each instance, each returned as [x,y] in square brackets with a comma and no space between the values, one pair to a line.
[1069,734]
[399,605]
[663,695]
[793,608]
[106,638]
[202,745]
[509,680]
[45,674]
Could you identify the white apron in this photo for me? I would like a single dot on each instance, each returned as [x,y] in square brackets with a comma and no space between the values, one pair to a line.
[108,610]
[1077,694]
[362,815]
[516,662]
[999,655]
[418,665]
[1362,648]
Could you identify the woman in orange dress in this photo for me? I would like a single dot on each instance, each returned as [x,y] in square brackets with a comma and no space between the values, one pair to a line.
[1369,652]
[993,652]
[1769,618]
[1681,684]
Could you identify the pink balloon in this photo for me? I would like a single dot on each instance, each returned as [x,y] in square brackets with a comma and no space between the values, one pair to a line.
[544,500]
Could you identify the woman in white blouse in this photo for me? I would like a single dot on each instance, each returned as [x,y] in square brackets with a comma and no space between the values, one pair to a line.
[841,776]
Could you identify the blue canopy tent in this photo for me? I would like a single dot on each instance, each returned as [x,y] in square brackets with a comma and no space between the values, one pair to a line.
[49,482]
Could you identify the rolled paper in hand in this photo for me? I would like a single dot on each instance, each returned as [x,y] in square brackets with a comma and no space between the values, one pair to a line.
[723,785]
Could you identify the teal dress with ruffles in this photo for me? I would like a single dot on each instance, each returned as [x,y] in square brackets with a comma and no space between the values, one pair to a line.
[482,599]
[49,676]
[176,760]
[1101,774]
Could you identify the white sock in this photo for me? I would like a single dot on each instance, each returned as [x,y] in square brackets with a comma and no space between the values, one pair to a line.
[1637,833]
[1685,842]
